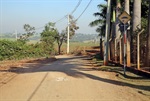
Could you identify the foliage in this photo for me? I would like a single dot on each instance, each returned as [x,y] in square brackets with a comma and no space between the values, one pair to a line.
[29,32]
[48,37]
[18,50]
[72,26]
[100,22]
[61,37]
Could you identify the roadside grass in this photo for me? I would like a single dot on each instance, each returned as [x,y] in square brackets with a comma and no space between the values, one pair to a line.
[130,78]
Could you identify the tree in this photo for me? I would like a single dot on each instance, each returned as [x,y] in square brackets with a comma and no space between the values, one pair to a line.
[148,39]
[48,37]
[117,34]
[101,30]
[73,26]
[61,37]
[29,32]
[136,23]
[100,22]
[127,9]
[136,15]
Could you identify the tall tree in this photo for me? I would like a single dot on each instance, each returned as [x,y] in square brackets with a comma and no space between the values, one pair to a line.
[127,9]
[148,39]
[136,23]
[136,15]
[61,37]
[117,36]
[100,22]
[72,26]
[29,32]
[48,36]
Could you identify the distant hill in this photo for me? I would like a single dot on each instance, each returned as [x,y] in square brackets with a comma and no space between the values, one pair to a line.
[84,37]
[76,38]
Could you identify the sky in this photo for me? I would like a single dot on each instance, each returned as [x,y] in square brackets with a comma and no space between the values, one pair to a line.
[15,13]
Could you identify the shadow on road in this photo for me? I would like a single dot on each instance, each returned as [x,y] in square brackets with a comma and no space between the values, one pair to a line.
[73,68]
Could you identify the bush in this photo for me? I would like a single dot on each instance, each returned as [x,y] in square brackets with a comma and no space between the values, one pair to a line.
[18,50]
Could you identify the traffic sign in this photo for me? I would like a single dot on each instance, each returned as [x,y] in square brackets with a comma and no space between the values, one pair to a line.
[124,17]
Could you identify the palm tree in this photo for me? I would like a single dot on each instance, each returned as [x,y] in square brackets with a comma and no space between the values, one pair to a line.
[100,22]
[101,30]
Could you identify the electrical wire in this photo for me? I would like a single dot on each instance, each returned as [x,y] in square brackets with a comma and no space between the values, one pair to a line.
[78,4]
[54,22]
[84,10]
[60,19]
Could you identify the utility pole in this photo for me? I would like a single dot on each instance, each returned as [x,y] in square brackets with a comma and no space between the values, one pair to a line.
[68,34]
[107,31]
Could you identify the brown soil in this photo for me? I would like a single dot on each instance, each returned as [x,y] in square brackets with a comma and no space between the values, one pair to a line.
[8,67]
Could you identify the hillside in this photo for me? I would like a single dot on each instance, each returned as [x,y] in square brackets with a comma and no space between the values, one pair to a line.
[84,37]
[76,38]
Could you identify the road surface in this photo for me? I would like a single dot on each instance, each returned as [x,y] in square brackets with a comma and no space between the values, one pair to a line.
[70,78]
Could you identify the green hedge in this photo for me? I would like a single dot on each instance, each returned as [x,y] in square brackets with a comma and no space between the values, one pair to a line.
[18,50]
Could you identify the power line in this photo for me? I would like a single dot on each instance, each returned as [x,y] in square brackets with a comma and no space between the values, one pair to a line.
[54,22]
[60,19]
[78,4]
[84,10]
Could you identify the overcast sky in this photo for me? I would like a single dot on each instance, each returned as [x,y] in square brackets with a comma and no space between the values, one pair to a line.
[15,13]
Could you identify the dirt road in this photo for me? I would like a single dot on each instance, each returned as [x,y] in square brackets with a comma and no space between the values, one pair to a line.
[70,78]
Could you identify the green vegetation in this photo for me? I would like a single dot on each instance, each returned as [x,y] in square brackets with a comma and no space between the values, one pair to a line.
[10,49]
[18,50]
[139,10]
[48,37]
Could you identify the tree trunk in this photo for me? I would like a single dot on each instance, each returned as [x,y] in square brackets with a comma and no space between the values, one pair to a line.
[59,49]
[101,47]
[107,32]
[136,24]
[127,9]
[118,6]
[148,40]
[120,47]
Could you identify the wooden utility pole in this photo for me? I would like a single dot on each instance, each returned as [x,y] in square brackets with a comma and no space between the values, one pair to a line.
[107,31]
[68,34]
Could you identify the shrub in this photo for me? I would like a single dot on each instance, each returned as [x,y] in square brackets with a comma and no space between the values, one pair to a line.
[18,50]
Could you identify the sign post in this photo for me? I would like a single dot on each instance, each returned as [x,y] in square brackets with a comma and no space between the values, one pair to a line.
[124,18]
